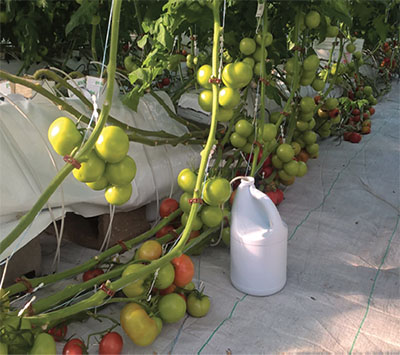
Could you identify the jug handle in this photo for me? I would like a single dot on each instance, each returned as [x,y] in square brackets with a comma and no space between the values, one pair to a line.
[270,209]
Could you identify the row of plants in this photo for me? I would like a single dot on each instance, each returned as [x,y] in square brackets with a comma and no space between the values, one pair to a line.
[167,47]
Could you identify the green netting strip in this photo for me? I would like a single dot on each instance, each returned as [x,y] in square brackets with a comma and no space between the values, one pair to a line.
[220,325]
[373,285]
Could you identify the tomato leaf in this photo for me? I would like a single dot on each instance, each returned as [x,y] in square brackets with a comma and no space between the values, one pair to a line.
[163,36]
[380,26]
[143,41]
[82,16]
[273,94]
[143,74]
[131,99]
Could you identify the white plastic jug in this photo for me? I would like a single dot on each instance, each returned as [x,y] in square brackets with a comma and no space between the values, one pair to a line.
[258,242]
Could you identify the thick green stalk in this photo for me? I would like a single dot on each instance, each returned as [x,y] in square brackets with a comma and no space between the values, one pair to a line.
[28,218]
[261,118]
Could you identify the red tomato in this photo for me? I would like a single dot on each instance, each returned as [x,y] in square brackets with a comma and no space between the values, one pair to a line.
[346,136]
[267,161]
[355,137]
[371,111]
[267,171]
[58,332]
[184,270]
[111,344]
[168,290]
[184,52]
[74,347]
[168,206]
[355,112]
[356,118]
[334,113]
[166,81]
[90,274]
[317,99]
[276,196]
[164,231]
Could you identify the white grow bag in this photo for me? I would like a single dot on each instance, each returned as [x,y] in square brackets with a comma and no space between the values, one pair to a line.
[27,168]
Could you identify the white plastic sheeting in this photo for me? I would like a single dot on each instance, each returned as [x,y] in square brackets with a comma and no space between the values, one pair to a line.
[27,168]
[342,293]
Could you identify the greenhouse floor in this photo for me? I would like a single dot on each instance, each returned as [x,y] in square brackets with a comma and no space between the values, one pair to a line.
[343,282]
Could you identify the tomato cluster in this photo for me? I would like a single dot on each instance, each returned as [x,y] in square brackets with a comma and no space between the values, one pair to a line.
[106,167]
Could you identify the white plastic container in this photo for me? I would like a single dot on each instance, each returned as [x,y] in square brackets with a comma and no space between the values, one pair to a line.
[258,242]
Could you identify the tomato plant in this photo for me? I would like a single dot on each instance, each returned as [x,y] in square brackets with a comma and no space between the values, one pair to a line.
[111,344]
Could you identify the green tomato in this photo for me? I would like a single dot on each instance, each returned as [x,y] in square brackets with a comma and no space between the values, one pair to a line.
[302,126]
[197,222]
[205,100]
[203,75]
[228,98]
[118,195]
[274,117]
[318,85]
[331,103]
[64,136]
[224,114]
[17,334]
[244,128]
[268,39]
[350,48]
[237,75]
[44,345]
[165,277]
[250,61]
[4,18]
[311,124]
[217,191]
[247,46]
[302,169]
[309,137]
[121,173]
[198,305]
[135,288]
[269,132]
[307,104]
[172,308]
[237,140]
[99,184]
[226,236]
[285,152]
[291,168]
[91,169]
[159,323]
[312,19]
[187,180]
[312,149]
[247,148]
[284,175]
[296,147]
[276,162]
[211,216]
[184,204]
[258,55]
[129,63]
[332,31]
[311,63]
[112,144]
[367,90]
[95,20]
